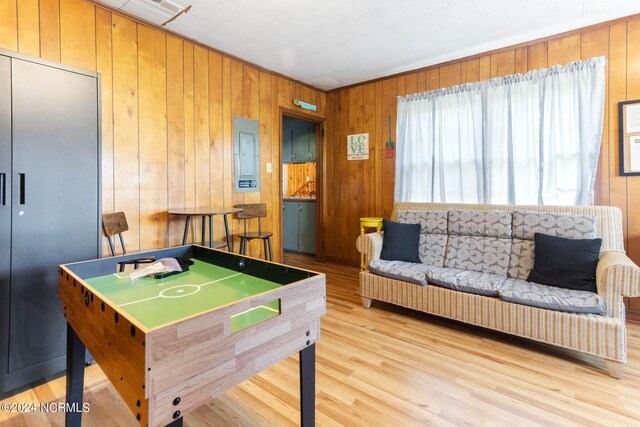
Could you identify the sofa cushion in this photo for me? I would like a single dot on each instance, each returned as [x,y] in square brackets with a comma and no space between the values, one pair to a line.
[483,254]
[527,223]
[536,295]
[433,233]
[431,222]
[465,281]
[400,242]
[431,249]
[400,270]
[480,223]
[521,259]
[566,263]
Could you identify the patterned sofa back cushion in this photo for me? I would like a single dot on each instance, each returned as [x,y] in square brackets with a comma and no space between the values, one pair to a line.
[527,223]
[433,233]
[480,223]
[479,241]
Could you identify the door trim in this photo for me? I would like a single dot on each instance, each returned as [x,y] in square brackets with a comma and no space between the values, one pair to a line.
[321,251]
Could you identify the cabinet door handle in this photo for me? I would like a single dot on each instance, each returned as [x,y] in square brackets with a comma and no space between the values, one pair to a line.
[3,189]
[23,185]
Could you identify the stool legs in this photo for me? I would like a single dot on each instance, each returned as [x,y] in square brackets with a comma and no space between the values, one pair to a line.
[266,248]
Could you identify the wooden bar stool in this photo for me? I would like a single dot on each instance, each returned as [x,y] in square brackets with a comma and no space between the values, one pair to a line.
[116,223]
[249,212]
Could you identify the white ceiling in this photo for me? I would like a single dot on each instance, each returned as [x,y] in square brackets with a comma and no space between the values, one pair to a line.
[334,43]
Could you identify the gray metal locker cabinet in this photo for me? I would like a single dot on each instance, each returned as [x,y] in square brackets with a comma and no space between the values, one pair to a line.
[53,197]
[5,214]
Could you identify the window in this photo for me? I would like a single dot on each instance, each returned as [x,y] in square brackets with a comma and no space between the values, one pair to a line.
[519,139]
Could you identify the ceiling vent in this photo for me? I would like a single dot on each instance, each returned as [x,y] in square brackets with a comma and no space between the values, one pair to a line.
[165,5]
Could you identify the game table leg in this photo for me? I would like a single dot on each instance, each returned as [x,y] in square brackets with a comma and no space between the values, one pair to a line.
[308,386]
[175,423]
[75,378]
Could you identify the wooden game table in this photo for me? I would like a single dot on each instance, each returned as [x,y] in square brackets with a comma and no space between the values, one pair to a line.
[170,345]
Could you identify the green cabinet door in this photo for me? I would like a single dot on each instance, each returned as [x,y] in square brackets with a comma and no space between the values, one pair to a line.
[287,146]
[290,226]
[298,140]
[301,144]
[312,144]
[307,228]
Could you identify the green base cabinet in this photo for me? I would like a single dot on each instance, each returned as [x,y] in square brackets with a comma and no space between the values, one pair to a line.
[299,226]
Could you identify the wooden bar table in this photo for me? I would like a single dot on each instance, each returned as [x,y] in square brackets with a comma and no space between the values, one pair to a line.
[207,213]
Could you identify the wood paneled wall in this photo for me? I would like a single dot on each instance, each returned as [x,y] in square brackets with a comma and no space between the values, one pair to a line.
[297,176]
[168,106]
[365,188]
[167,113]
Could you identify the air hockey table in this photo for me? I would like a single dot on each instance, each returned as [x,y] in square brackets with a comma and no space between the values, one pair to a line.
[169,345]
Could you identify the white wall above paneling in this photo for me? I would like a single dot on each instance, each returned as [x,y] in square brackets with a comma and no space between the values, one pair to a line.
[359,40]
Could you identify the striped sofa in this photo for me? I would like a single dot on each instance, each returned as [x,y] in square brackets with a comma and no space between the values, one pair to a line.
[603,335]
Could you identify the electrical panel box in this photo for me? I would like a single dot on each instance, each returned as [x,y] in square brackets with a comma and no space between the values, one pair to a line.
[246,154]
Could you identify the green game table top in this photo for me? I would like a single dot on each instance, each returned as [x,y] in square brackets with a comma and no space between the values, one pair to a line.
[155,302]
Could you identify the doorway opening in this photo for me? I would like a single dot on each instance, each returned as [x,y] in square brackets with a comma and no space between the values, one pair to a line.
[301,178]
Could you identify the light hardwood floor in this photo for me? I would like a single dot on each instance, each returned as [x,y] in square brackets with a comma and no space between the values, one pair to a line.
[388,366]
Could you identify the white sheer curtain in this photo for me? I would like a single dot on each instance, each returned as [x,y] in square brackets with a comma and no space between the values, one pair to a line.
[512,133]
[457,170]
[525,139]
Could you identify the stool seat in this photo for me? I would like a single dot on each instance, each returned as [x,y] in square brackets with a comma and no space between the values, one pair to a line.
[255,235]
[370,221]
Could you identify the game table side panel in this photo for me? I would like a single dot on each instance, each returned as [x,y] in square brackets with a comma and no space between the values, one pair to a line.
[195,360]
[117,346]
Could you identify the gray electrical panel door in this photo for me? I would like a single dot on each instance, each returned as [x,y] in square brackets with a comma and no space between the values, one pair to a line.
[247,154]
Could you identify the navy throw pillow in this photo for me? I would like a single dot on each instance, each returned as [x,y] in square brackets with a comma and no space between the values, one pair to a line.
[565,263]
[400,241]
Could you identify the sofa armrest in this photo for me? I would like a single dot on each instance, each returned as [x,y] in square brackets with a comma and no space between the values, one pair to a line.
[617,277]
[370,245]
